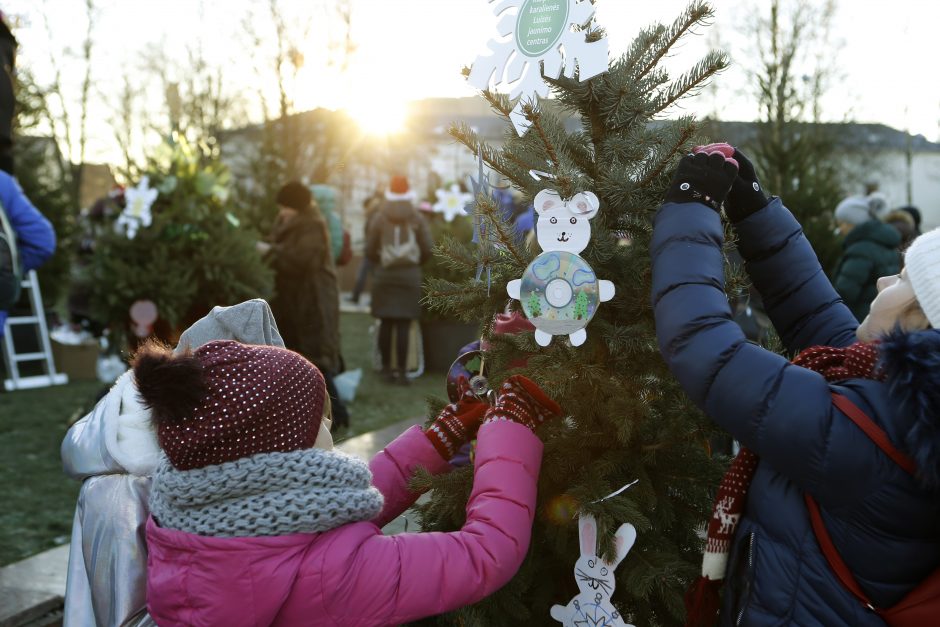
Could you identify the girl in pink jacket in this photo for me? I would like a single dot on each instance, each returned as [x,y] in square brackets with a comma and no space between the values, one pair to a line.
[257,521]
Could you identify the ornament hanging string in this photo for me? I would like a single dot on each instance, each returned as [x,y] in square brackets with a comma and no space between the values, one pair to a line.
[613,494]
[481,234]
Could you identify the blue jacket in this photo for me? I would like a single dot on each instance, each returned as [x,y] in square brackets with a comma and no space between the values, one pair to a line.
[885,524]
[35,237]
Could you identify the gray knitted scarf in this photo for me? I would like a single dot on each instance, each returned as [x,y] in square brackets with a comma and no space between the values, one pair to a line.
[269,494]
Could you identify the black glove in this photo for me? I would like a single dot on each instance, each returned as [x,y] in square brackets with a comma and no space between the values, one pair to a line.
[704,178]
[746,195]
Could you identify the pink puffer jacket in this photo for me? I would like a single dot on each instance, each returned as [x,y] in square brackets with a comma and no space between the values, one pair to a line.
[354,575]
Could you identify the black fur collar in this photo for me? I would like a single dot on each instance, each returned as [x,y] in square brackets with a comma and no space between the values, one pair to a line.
[911,362]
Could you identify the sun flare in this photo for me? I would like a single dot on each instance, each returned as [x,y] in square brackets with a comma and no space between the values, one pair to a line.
[378,117]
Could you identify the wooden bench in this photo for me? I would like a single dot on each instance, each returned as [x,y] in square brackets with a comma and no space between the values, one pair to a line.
[31,591]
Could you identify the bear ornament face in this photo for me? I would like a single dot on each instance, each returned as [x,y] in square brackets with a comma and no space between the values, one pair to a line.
[559,291]
[565,225]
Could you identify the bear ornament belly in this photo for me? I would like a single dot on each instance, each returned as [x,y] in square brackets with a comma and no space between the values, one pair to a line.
[559,293]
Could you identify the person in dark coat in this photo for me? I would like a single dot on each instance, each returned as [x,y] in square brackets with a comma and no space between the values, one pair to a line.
[7,96]
[306,299]
[870,251]
[399,243]
[884,522]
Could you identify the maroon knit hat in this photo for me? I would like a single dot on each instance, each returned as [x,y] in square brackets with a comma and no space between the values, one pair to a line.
[229,400]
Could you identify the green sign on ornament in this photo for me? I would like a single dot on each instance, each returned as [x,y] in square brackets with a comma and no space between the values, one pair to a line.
[540,25]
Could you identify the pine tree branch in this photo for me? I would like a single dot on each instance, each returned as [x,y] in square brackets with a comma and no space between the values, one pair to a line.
[491,156]
[498,102]
[694,14]
[684,137]
[504,235]
[640,48]
[713,63]
[535,117]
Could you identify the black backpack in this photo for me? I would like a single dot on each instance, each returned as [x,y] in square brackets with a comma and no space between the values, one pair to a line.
[11,273]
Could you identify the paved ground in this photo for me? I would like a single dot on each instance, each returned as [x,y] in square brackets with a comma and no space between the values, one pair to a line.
[361,306]
[37,584]
[367,445]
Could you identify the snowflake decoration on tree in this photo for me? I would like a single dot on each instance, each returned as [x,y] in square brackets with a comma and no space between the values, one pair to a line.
[137,208]
[451,202]
[532,35]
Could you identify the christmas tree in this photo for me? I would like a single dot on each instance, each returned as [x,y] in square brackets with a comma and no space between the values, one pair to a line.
[628,420]
[182,248]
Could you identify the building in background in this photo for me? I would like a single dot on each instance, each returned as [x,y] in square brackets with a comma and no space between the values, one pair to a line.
[429,156]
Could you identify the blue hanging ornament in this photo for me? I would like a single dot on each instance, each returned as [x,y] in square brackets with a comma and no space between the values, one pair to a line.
[481,233]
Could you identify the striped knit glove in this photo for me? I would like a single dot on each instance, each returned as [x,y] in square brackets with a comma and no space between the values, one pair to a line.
[457,423]
[521,400]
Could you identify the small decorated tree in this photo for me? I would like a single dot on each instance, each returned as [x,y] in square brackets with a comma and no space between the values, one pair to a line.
[535,305]
[629,423]
[174,243]
[581,306]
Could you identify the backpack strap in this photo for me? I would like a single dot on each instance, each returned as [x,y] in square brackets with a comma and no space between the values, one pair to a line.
[832,556]
[880,438]
[874,432]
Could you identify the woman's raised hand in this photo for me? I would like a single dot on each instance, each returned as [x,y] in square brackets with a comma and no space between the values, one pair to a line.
[705,176]
[747,195]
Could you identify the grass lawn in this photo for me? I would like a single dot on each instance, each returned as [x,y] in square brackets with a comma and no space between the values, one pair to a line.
[37,501]
[378,404]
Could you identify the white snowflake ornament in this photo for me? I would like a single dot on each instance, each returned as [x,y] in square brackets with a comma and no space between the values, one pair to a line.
[451,202]
[535,33]
[138,201]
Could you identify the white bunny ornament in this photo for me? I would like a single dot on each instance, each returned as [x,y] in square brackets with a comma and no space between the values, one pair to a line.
[559,291]
[596,581]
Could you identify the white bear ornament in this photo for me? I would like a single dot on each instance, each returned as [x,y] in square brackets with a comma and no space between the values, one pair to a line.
[559,291]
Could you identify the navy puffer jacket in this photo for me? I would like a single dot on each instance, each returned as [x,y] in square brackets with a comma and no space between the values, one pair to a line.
[885,524]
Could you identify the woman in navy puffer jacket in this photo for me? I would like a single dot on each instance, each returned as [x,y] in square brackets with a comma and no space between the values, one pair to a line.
[884,522]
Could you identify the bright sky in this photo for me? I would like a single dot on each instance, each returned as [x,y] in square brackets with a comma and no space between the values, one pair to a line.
[411,49]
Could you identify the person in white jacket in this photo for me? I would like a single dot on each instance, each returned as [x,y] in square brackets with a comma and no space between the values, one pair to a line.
[113,451]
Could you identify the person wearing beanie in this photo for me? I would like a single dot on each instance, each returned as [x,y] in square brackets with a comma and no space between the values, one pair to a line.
[852,212]
[877,204]
[829,514]
[398,243]
[306,291]
[253,514]
[114,451]
[870,250]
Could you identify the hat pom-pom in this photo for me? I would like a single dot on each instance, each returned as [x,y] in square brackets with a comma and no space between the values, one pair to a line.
[171,385]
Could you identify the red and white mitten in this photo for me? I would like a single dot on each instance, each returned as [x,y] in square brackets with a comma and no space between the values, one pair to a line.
[457,423]
[521,400]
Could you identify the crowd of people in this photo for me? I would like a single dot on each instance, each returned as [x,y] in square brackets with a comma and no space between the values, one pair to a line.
[874,243]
